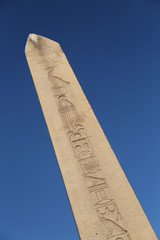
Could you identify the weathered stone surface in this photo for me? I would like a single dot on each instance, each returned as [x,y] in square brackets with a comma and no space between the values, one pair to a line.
[103,203]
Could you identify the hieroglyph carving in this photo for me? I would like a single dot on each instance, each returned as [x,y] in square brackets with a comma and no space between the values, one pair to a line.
[105,206]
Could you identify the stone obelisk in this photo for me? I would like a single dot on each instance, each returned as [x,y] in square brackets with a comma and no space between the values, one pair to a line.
[103,202]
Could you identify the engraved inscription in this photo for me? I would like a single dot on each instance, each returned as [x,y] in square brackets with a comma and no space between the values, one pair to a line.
[68,112]
[81,145]
[105,206]
[121,236]
[112,227]
[111,212]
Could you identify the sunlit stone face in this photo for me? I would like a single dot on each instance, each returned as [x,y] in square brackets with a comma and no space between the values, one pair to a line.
[103,203]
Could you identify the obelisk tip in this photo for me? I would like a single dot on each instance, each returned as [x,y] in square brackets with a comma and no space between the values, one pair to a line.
[35,41]
[32,41]
[33,37]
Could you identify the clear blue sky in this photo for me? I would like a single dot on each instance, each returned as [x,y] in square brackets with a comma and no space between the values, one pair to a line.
[113,47]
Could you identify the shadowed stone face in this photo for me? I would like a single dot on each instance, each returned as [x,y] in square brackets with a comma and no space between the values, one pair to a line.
[102,201]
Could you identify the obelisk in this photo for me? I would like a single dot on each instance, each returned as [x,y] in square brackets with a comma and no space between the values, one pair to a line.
[103,202]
